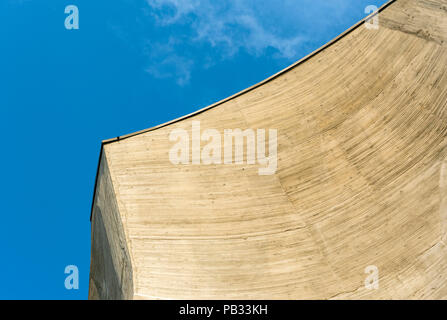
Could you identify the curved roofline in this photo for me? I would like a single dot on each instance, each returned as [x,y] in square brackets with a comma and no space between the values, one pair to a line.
[297,63]
[281,72]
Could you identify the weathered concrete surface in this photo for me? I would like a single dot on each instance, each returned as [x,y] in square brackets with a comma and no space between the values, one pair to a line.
[362,144]
[111,269]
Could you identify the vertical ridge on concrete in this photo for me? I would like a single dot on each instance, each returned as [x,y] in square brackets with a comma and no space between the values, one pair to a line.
[362,143]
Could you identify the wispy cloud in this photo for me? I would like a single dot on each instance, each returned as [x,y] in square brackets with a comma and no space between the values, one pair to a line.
[165,62]
[232,26]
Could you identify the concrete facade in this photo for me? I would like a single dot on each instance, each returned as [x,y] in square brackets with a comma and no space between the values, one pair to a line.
[361,181]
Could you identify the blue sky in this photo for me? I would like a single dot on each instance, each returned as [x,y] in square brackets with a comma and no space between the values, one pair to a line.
[131,65]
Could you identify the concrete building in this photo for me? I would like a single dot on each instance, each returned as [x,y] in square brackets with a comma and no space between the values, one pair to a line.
[356,208]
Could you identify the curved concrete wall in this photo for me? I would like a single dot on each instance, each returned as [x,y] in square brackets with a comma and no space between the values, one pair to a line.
[360,180]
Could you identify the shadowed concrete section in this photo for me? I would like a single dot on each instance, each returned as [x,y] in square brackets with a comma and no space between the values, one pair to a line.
[110,270]
[361,180]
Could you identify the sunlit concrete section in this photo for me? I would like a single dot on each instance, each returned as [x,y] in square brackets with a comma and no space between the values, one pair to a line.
[356,207]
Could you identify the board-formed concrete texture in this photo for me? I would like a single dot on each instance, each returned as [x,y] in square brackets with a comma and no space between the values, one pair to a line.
[360,185]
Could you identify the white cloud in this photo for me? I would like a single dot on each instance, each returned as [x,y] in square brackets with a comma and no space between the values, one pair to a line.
[232,25]
[173,66]
[166,63]
[179,9]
